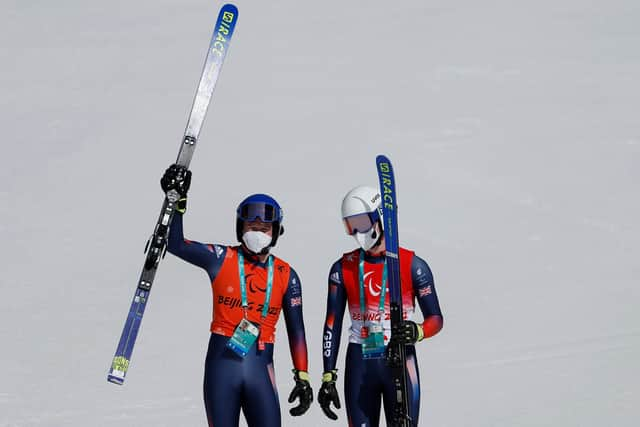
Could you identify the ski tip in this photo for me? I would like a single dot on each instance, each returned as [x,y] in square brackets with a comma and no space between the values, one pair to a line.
[227,18]
[383,164]
[230,7]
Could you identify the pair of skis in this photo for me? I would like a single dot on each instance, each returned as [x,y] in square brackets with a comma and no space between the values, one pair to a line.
[157,243]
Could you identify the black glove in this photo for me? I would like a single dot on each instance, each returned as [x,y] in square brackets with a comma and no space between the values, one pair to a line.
[328,394]
[176,178]
[407,332]
[301,390]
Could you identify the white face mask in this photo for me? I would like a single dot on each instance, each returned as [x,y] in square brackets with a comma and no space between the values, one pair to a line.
[256,241]
[367,240]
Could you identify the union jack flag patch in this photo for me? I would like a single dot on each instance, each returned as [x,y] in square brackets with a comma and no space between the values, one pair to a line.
[296,301]
[424,291]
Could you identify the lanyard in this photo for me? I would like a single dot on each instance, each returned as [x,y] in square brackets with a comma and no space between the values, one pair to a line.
[383,291]
[243,284]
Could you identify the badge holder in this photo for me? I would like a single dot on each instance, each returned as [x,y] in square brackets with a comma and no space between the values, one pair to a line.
[373,344]
[373,335]
[246,333]
[243,337]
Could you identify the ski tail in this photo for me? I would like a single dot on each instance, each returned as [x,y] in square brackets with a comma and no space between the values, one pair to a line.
[120,363]
[396,353]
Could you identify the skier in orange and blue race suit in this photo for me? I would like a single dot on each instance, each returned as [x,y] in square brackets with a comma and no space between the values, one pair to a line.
[250,288]
[358,279]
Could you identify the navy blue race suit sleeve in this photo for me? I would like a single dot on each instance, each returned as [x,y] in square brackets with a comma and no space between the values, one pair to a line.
[425,292]
[292,310]
[336,303]
[206,256]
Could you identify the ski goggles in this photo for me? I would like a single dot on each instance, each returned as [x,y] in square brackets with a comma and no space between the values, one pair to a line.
[361,223]
[265,212]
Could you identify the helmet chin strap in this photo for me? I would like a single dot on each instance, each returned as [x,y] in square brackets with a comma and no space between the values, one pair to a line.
[265,251]
[373,236]
[377,244]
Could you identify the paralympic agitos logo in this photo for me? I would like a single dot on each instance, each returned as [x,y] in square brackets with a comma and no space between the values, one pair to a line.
[253,287]
[374,288]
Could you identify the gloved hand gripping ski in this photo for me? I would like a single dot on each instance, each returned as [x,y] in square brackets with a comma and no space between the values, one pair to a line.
[406,332]
[175,183]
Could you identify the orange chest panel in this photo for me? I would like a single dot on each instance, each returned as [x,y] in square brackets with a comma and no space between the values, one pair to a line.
[227,297]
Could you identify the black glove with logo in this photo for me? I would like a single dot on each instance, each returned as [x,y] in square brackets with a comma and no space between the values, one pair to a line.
[328,394]
[177,178]
[407,332]
[301,390]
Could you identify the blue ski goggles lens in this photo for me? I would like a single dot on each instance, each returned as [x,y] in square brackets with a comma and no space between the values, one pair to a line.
[360,223]
[263,211]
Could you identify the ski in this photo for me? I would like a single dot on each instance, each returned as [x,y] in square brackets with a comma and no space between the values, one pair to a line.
[157,243]
[396,353]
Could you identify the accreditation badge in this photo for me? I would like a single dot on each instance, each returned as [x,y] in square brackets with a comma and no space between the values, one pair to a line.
[373,344]
[243,337]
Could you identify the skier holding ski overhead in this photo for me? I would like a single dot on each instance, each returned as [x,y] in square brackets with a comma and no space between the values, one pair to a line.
[250,288]
[359,278]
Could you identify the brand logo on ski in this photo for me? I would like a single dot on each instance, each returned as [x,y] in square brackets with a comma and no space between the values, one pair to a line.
[219,46]
[387,185]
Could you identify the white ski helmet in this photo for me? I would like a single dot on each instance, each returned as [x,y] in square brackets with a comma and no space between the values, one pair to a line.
[360,213]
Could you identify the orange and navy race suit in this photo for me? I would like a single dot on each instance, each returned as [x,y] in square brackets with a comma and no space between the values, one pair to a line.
[367,381]
[232,383]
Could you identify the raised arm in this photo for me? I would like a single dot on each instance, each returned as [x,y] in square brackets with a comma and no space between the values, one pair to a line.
[176,181]
[206,256]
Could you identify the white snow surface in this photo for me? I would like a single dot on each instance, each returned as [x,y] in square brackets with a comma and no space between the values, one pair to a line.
[514,131]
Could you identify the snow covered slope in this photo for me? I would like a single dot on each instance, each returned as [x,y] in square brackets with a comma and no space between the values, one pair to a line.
[513,129]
